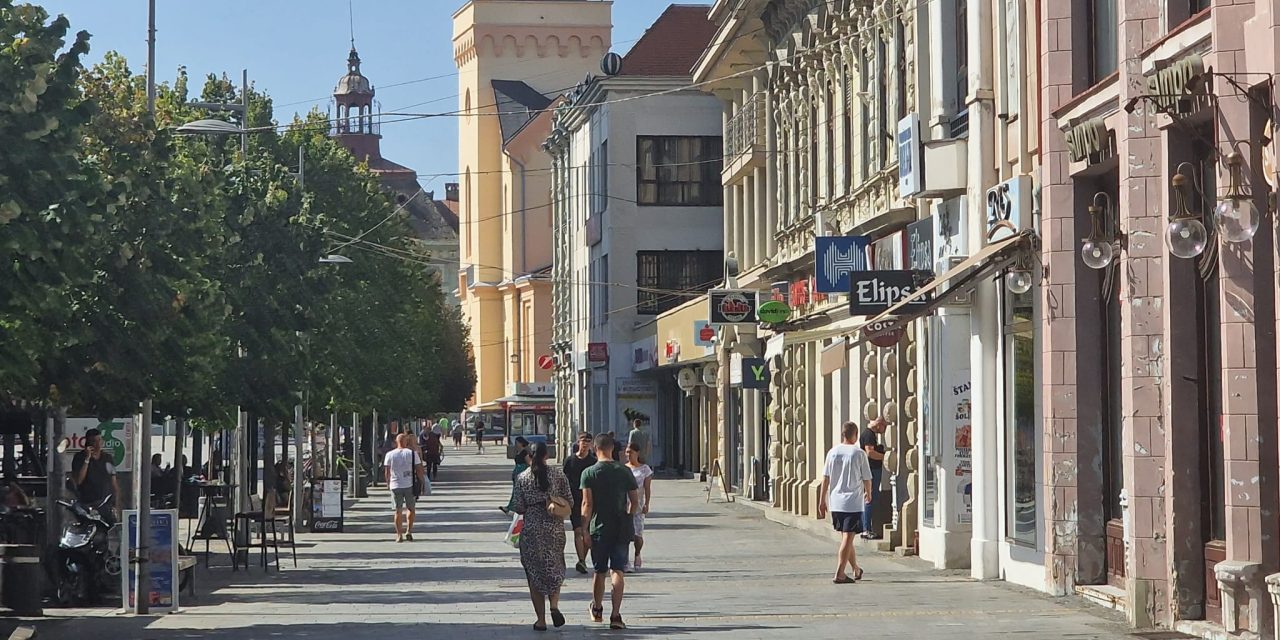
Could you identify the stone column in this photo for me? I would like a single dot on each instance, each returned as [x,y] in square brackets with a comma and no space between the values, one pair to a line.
[1273,587]
[730,230]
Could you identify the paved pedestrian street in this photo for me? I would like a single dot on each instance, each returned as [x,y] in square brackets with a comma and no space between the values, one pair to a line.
[711,571]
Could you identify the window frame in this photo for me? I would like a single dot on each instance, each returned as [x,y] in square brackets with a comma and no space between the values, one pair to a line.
[675,178]
[666,279]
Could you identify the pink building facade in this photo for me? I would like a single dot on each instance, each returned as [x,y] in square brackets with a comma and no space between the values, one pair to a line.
[1160,383]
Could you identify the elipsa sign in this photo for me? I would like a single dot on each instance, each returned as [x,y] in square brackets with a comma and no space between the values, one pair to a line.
[733,306]
[874,292]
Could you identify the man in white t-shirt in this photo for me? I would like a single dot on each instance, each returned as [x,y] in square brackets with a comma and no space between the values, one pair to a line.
[846,490]
[402,465]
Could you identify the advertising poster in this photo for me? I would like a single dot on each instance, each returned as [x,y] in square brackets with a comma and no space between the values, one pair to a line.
[960,412]
[326,505]
[117,439]
[638,399]
[162,560]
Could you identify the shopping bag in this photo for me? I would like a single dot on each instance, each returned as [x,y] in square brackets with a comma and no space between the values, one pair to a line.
[426,486]
[514,531]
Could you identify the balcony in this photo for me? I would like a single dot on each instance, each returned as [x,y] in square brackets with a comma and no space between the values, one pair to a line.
[744,139]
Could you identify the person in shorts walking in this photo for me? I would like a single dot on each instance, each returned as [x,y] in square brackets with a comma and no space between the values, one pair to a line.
[609,500]
[580,459]
[846,492]
[402,466]
[479,436]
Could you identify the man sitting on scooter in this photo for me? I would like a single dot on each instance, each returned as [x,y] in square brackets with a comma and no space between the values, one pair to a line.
[94,475]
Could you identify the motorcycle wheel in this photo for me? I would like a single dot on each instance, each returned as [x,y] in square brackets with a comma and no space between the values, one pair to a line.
[72,588]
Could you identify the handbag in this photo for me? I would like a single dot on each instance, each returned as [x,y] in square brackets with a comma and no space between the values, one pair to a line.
[559,507]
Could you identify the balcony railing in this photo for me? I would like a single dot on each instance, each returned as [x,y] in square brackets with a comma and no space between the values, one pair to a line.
[746,128]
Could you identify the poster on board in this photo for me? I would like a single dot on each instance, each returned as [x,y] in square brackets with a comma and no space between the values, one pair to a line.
[162,560]
[326,505]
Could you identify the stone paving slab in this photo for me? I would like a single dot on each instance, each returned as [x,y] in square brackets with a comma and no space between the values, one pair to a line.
[711,571]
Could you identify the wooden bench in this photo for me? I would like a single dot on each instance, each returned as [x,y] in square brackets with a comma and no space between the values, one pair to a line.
[187,574]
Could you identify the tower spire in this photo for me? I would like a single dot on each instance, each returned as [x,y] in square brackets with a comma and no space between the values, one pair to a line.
[351,19]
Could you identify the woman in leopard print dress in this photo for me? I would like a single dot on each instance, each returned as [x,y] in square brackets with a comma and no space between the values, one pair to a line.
[542,542]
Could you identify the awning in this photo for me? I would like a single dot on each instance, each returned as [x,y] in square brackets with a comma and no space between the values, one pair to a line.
[522,399]
[993,257]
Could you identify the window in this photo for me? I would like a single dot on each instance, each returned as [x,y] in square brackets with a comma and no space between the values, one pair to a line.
[882,103]
[679,171]
[846,117]
[865,164]
[661,274]
[960,121]
[600,285]
[1103,39]
[900,63]
[1021,450]
[830,127]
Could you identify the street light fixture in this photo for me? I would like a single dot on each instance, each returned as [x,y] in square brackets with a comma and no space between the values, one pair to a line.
[335,258]
[1099,249]
[1237,218]
[1186,234]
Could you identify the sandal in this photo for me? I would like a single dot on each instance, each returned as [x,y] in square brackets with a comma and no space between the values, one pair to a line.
[537,628]
[857,574]
[597,612]
[557,618]
[843,580]
[615,622]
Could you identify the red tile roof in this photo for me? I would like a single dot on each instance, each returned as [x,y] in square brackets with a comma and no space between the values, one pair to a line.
[673,44]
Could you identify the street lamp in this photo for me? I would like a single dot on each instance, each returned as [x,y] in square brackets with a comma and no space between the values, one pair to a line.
[335,258]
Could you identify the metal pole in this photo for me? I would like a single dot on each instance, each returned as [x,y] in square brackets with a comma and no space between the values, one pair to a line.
[151,57]
[373,445]
[244,123]
[297,466]
[179,469]
[240,469]
[354,469]
[331,448]
[55,428]
[142,496]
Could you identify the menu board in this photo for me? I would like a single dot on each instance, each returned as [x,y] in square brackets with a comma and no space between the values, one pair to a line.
[326,505]
[162,560]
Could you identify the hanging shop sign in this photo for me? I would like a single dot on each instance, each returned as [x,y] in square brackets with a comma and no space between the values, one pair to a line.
[733,306]
[774,312]
[874,292]
[116,435]
[1091,142]
[920,245]
[546,363]
[1008,208]
[881,333]
[1175,88]
[834,356]
[755,373]
[835,258]
[597,352]
[909,152]
[704,335]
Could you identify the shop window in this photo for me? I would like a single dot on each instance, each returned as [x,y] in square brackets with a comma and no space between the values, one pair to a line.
[1021,451]
[679,170]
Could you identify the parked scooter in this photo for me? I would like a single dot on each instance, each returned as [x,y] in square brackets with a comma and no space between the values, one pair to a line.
[87,561]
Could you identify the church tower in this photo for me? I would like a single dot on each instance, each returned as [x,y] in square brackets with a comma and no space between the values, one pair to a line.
[355,127]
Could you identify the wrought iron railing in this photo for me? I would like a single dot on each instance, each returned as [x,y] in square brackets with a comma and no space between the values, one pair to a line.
[746,129]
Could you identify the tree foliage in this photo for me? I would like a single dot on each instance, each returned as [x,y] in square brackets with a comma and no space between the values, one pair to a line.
[144,264]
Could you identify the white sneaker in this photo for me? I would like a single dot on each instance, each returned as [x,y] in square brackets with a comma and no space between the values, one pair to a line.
[629,568]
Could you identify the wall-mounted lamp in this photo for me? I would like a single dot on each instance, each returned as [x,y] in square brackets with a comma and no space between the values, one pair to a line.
[1186,234]
[1099,249]
[1236,216]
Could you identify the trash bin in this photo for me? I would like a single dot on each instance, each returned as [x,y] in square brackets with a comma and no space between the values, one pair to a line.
[21,579]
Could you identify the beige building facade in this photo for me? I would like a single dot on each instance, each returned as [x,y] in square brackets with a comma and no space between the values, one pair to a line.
[514,58]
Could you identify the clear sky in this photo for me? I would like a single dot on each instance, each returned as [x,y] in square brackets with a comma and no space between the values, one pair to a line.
[295,51]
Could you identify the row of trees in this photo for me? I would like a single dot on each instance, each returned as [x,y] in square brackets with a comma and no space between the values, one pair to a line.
[139,263]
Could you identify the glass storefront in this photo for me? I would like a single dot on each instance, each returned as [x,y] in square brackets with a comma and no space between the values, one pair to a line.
[1021,455]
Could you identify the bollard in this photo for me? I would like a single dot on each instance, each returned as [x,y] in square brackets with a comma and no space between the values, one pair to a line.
[21,579]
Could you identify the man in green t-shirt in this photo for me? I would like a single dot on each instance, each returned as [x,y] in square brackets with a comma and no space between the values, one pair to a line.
[609,500]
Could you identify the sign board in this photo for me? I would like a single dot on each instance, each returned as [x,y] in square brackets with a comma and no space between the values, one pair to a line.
[531,389]
[1091,141]
[546,363]
[774,312]
[874,292]
[704,335]
[672,351]
[162,560]
[835,257]
[1172,88]
[598,352]
[326,505]
[644,354]
[733,306]
[755,373]
[1008,208]
[879,333]
[920,245]
[117,438]
[909,152]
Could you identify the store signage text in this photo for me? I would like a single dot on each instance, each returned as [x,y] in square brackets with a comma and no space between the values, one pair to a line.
[1171,87]
[873,292]
[1091,141]
[733,306]
[1008,208]
[755,373]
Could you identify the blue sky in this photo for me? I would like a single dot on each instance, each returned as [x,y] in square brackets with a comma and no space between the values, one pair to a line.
[295,50]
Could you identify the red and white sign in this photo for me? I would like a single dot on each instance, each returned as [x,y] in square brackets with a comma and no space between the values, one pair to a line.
[546,363]
[598,352]
[881,333]
[673,350]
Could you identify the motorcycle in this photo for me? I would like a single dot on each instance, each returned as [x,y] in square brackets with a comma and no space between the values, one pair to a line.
[87,562]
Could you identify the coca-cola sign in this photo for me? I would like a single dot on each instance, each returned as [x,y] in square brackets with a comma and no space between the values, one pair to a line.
[733,306]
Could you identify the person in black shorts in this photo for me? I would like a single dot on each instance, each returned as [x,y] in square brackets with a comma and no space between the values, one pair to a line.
[846,492]
[579,460]
[869,442]
[609,500]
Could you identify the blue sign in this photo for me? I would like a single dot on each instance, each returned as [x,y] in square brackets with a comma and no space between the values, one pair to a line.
[703,334]
[835,258]
[162,560]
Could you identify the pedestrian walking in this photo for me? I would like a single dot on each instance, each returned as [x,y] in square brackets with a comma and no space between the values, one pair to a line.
[869,441]
[846,492]
[457,435]
[433,454]
[643,474]
[609,499]
[580,459]
[641,437]
[479,436]
[521,460]
[402,466]
[542,495]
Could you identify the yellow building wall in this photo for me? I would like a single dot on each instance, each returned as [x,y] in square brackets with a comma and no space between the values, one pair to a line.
[551,45]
